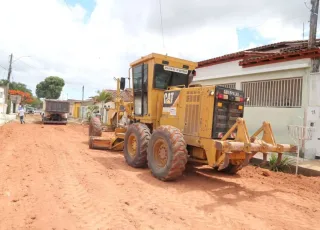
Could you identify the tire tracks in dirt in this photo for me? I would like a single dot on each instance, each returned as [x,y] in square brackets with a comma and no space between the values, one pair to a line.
[70,186]
[89,210]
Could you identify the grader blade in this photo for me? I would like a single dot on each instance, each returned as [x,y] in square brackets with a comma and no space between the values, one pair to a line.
[242,149]
[113,142]
[100,143]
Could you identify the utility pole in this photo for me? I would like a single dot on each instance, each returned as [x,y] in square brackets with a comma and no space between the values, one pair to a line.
[313,33]
[82,92]
[8,83]
[81,107]
[313,23]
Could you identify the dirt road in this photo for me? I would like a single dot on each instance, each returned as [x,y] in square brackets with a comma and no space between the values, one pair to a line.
[50,179]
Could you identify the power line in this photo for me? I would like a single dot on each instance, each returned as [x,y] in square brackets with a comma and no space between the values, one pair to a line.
[161,24]
[3,67]
[67,5]
[28,64]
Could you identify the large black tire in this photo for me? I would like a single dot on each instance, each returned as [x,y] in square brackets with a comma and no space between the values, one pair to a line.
[170,140]
[137,135]
[95,127]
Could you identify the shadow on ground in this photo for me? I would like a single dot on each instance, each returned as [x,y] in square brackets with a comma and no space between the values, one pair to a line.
[225,189]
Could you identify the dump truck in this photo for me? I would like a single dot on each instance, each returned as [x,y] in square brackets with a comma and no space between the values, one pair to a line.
[175,122]
[55,111]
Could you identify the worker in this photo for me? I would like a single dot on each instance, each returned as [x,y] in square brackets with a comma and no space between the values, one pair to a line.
[21,113]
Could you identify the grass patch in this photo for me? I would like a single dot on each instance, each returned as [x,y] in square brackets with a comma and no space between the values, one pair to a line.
[283,166]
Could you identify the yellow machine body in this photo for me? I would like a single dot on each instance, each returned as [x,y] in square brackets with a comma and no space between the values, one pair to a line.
[152,107]
[198,123]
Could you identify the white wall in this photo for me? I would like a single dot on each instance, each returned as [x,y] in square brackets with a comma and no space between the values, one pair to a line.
[313,115]
[227,71]
[279,119]
[3,107]
[2,95]
[111,105]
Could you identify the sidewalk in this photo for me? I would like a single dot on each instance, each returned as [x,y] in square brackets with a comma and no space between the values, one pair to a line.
[305,167]
[5,118]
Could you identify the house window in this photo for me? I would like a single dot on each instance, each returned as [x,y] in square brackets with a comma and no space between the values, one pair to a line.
[285,93]
[229,85]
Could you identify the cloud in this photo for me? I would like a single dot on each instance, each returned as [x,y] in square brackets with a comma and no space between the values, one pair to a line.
[62,41]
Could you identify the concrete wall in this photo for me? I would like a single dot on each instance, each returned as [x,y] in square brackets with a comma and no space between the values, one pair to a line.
[232,69]
[4,118]
[3,107]
[2,95]
[313,116]
[279,118]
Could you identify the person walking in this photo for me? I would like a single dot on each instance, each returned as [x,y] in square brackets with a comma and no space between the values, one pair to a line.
[21,114]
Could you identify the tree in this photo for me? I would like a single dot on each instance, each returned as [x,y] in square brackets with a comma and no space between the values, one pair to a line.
[91,110]
[26,98]
[16,86]
[103,96]
[36,103]
[50,88]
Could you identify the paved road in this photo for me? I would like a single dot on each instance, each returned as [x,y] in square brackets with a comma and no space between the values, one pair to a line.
[49,179]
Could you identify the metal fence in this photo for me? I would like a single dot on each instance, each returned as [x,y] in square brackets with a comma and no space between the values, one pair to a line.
[229,85]
[285,93]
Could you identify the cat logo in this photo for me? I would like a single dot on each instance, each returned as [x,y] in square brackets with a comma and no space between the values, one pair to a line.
[168,98]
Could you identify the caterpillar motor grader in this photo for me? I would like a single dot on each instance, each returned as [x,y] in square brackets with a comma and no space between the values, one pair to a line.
[174,122]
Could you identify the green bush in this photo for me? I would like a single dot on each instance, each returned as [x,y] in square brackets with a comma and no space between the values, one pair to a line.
[91,110]
[282,166]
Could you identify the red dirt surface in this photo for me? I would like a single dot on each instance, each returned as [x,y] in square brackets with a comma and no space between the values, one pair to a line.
[50,179]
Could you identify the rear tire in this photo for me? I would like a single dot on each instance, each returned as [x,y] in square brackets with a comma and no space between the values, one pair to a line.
[95,127]
[135,145]
[167,153]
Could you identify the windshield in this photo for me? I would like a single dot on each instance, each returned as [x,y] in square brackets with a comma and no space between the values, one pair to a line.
[164,78]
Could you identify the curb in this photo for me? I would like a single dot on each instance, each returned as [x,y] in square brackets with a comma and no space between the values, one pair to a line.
[301,170]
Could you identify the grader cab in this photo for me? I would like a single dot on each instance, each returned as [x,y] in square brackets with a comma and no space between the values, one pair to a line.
[175,122]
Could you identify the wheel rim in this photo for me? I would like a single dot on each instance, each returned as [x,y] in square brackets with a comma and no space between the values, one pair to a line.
[160,153]
[132,145]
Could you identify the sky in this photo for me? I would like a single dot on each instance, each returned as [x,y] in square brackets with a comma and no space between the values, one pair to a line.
[89,42]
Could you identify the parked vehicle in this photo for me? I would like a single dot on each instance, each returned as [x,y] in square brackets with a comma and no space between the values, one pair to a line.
[30,111]
[55,111]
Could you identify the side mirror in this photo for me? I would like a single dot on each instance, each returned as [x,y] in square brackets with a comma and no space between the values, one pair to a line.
[122,83]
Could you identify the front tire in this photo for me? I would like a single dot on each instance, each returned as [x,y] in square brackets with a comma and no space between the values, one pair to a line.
[167,153]
[95,127]
[135,145]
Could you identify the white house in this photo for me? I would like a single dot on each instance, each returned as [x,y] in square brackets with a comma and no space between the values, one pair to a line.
[278,80]
[3,106]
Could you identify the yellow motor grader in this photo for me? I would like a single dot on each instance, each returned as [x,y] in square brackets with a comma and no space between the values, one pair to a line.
[174,122]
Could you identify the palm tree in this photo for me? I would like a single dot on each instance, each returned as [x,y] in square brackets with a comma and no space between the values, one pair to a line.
[103,96]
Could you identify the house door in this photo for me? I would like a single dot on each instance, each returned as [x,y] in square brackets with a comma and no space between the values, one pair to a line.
[14,107]
[78,112]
